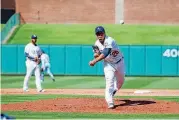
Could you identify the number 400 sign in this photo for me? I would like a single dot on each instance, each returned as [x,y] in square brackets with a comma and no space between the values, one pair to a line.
[171,53]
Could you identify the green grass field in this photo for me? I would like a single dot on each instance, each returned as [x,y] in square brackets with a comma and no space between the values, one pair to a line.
[93,82]
[85,116]
[89,82]
[84,34]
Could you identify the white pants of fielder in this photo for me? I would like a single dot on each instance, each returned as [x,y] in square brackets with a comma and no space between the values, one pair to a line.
[47,69]
[31,67]
[114,75]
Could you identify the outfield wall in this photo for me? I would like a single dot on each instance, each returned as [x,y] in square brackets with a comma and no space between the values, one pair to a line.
[73,60]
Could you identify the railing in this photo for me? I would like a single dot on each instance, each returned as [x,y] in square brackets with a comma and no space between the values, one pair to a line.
[12,22]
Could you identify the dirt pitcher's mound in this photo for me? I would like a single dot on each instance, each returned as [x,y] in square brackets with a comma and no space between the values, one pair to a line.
[95,105]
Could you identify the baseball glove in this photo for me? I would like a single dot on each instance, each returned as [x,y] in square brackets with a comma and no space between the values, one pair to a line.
[95,49]
[37,60]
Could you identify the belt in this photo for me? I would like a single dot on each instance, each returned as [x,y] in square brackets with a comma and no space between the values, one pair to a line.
[119,60]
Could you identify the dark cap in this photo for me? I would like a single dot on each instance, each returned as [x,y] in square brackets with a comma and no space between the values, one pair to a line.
[33,37]
[99,29]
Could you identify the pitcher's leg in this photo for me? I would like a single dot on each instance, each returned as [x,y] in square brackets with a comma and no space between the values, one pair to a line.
[109,76]
[115,83]
[37,78]
[119,80]
[120,75]
[115,86]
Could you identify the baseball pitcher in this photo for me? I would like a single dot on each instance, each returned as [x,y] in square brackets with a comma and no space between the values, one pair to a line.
[32,53]
[106,49]
[45,66]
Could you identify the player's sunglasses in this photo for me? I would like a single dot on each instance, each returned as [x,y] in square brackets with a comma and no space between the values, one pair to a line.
[99,34]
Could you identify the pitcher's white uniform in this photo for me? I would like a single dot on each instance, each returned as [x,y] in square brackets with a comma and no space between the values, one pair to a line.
[46,66]
[113,67]
[33,51]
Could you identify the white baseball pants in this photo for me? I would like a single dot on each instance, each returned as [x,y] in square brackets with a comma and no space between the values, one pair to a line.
[30,67]
[114,75]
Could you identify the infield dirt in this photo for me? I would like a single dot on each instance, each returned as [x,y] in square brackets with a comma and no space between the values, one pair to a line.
[95,105]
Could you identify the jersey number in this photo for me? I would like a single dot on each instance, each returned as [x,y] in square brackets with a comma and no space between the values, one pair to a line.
[114,53]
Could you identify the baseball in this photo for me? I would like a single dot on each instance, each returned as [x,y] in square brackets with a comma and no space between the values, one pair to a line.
[121,21]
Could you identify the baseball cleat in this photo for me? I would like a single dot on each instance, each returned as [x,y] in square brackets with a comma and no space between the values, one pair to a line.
[53,80]
[114,92]
[42,90]
[25,90]
[110,106]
